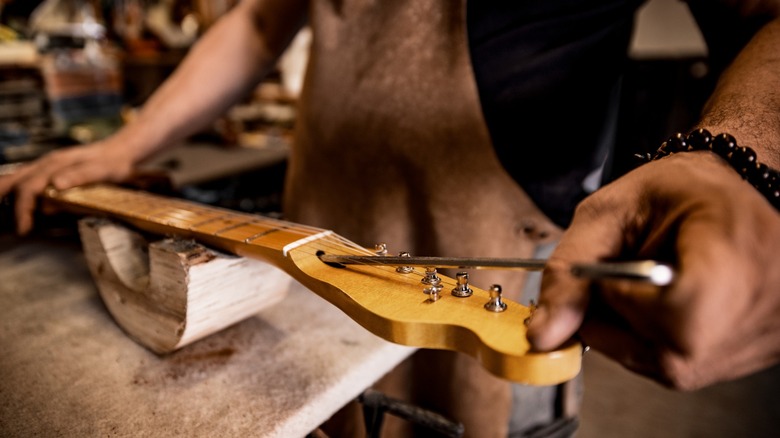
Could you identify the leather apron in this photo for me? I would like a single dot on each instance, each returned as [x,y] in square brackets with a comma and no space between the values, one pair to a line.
[391,147]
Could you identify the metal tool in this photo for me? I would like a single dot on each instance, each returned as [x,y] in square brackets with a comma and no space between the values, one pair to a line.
[650,271]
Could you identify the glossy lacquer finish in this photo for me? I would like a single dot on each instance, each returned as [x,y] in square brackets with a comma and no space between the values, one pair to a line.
[388,303]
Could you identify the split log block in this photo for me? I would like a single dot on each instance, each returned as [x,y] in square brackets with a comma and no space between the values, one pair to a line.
[172,292]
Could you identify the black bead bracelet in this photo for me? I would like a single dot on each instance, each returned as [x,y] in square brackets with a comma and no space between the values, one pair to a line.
[742,158]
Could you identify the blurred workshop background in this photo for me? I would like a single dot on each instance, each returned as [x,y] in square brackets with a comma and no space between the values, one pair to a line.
[73,71]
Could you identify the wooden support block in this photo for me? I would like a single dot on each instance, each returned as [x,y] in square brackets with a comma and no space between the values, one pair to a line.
[172,292]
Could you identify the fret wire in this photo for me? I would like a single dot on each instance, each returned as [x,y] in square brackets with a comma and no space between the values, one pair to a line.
[181,214]
[231,227]
[153,209]
[145,211]
[161,210]
[147,206]
[254,237]
[142,204]
[230,219]
[214,219]
[156,211]
[334,242]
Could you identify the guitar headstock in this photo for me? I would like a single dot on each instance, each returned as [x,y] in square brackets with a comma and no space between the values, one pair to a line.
[418,307]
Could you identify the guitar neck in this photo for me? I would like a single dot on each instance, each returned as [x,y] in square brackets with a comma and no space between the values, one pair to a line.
[231,231]
[391,304]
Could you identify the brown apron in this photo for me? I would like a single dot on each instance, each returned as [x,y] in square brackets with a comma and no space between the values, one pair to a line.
[391,147]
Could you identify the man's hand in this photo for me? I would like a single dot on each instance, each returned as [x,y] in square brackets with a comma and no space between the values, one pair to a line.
[63,168]
[718,320]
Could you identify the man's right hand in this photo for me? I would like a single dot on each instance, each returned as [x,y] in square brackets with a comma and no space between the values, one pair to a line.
[717,321]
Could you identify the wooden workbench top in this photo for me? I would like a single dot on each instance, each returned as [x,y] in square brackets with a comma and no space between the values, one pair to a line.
[69,370]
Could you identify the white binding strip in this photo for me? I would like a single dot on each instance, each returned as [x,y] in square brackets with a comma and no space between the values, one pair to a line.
[290,246]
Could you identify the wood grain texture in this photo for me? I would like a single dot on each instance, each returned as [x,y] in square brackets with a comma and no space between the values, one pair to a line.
[385,302]
[172,292]
[393,306]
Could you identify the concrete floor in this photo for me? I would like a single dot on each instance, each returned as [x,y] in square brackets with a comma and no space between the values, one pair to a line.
[618,403]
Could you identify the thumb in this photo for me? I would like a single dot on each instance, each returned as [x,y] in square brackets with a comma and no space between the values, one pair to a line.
[561,309]
[596,233]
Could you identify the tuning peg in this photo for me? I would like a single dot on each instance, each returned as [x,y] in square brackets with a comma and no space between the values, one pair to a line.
[380,249]
[495,304]
[433,291]
[462,289]
[434,284]
[431,278]
[404,269]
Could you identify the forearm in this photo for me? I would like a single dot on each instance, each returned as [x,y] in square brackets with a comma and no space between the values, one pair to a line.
[225,64]
[746,101]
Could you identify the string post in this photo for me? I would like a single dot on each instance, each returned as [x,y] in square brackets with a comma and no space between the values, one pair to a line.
[462,289]
[495,304]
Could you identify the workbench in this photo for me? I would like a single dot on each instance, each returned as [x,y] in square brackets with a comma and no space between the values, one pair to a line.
[69,370]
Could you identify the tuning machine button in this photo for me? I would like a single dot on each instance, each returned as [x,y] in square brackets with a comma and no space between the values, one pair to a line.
[495,304]
[431,279]
[404,269]
[433,283]
[380,249]
[462,289]
[433,292]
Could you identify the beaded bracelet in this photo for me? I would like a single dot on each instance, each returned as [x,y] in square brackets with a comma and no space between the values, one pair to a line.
[742,158]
